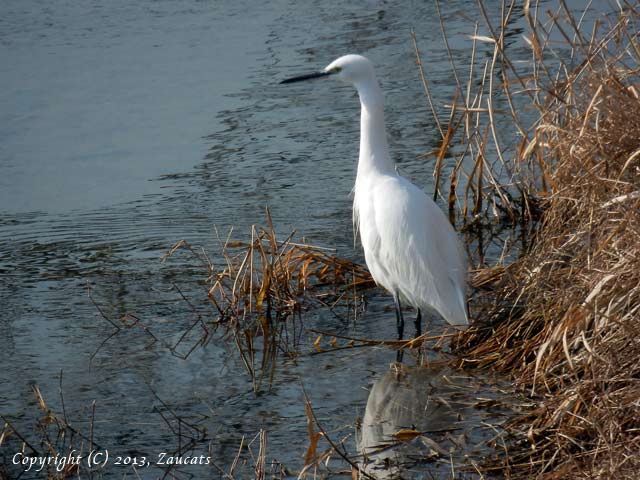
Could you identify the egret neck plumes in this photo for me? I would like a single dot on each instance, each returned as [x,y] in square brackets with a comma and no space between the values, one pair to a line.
[410,247]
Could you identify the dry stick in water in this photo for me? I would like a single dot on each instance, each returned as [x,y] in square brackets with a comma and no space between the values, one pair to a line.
[444,147]
[335,447]
[425,83]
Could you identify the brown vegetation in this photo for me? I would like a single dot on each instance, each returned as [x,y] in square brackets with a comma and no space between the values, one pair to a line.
[564,317]
[265,282]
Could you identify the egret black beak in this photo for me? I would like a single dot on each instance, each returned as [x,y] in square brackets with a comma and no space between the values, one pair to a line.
[306,77]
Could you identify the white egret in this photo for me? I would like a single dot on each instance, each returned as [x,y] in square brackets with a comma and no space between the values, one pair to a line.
[410,247]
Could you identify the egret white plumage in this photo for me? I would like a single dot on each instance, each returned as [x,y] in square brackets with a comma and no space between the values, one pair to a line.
[409,245]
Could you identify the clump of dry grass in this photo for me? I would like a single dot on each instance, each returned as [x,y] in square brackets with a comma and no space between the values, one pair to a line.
[564,321]
[264,282]
[273,278]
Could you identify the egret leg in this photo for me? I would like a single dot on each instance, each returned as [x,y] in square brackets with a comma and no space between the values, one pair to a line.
[418,324]
[399,317]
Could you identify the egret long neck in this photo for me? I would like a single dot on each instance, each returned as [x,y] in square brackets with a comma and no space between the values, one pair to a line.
[374,150]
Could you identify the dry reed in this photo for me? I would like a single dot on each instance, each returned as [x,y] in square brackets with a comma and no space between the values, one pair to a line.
[265,282]
[54,438]
[563,320]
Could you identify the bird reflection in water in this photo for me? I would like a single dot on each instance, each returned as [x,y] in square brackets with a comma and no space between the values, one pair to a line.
[414,415]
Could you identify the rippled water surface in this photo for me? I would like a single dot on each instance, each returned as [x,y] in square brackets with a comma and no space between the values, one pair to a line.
[127,126]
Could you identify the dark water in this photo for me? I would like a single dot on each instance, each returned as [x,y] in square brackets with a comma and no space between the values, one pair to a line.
[127,126]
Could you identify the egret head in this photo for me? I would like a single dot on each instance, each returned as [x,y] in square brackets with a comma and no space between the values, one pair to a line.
[352,69]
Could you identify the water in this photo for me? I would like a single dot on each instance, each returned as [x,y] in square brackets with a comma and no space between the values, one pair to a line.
[127,126]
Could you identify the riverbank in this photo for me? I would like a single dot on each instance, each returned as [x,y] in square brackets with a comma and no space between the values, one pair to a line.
[563,320]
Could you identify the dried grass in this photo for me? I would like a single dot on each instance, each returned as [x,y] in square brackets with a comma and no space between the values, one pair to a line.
[564,320]
[269,278]
[265,282]
[54,440]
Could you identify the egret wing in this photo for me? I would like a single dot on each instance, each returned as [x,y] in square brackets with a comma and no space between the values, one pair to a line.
[419,249]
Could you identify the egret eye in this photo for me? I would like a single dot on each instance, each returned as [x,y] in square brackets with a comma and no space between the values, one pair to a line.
[336,70]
